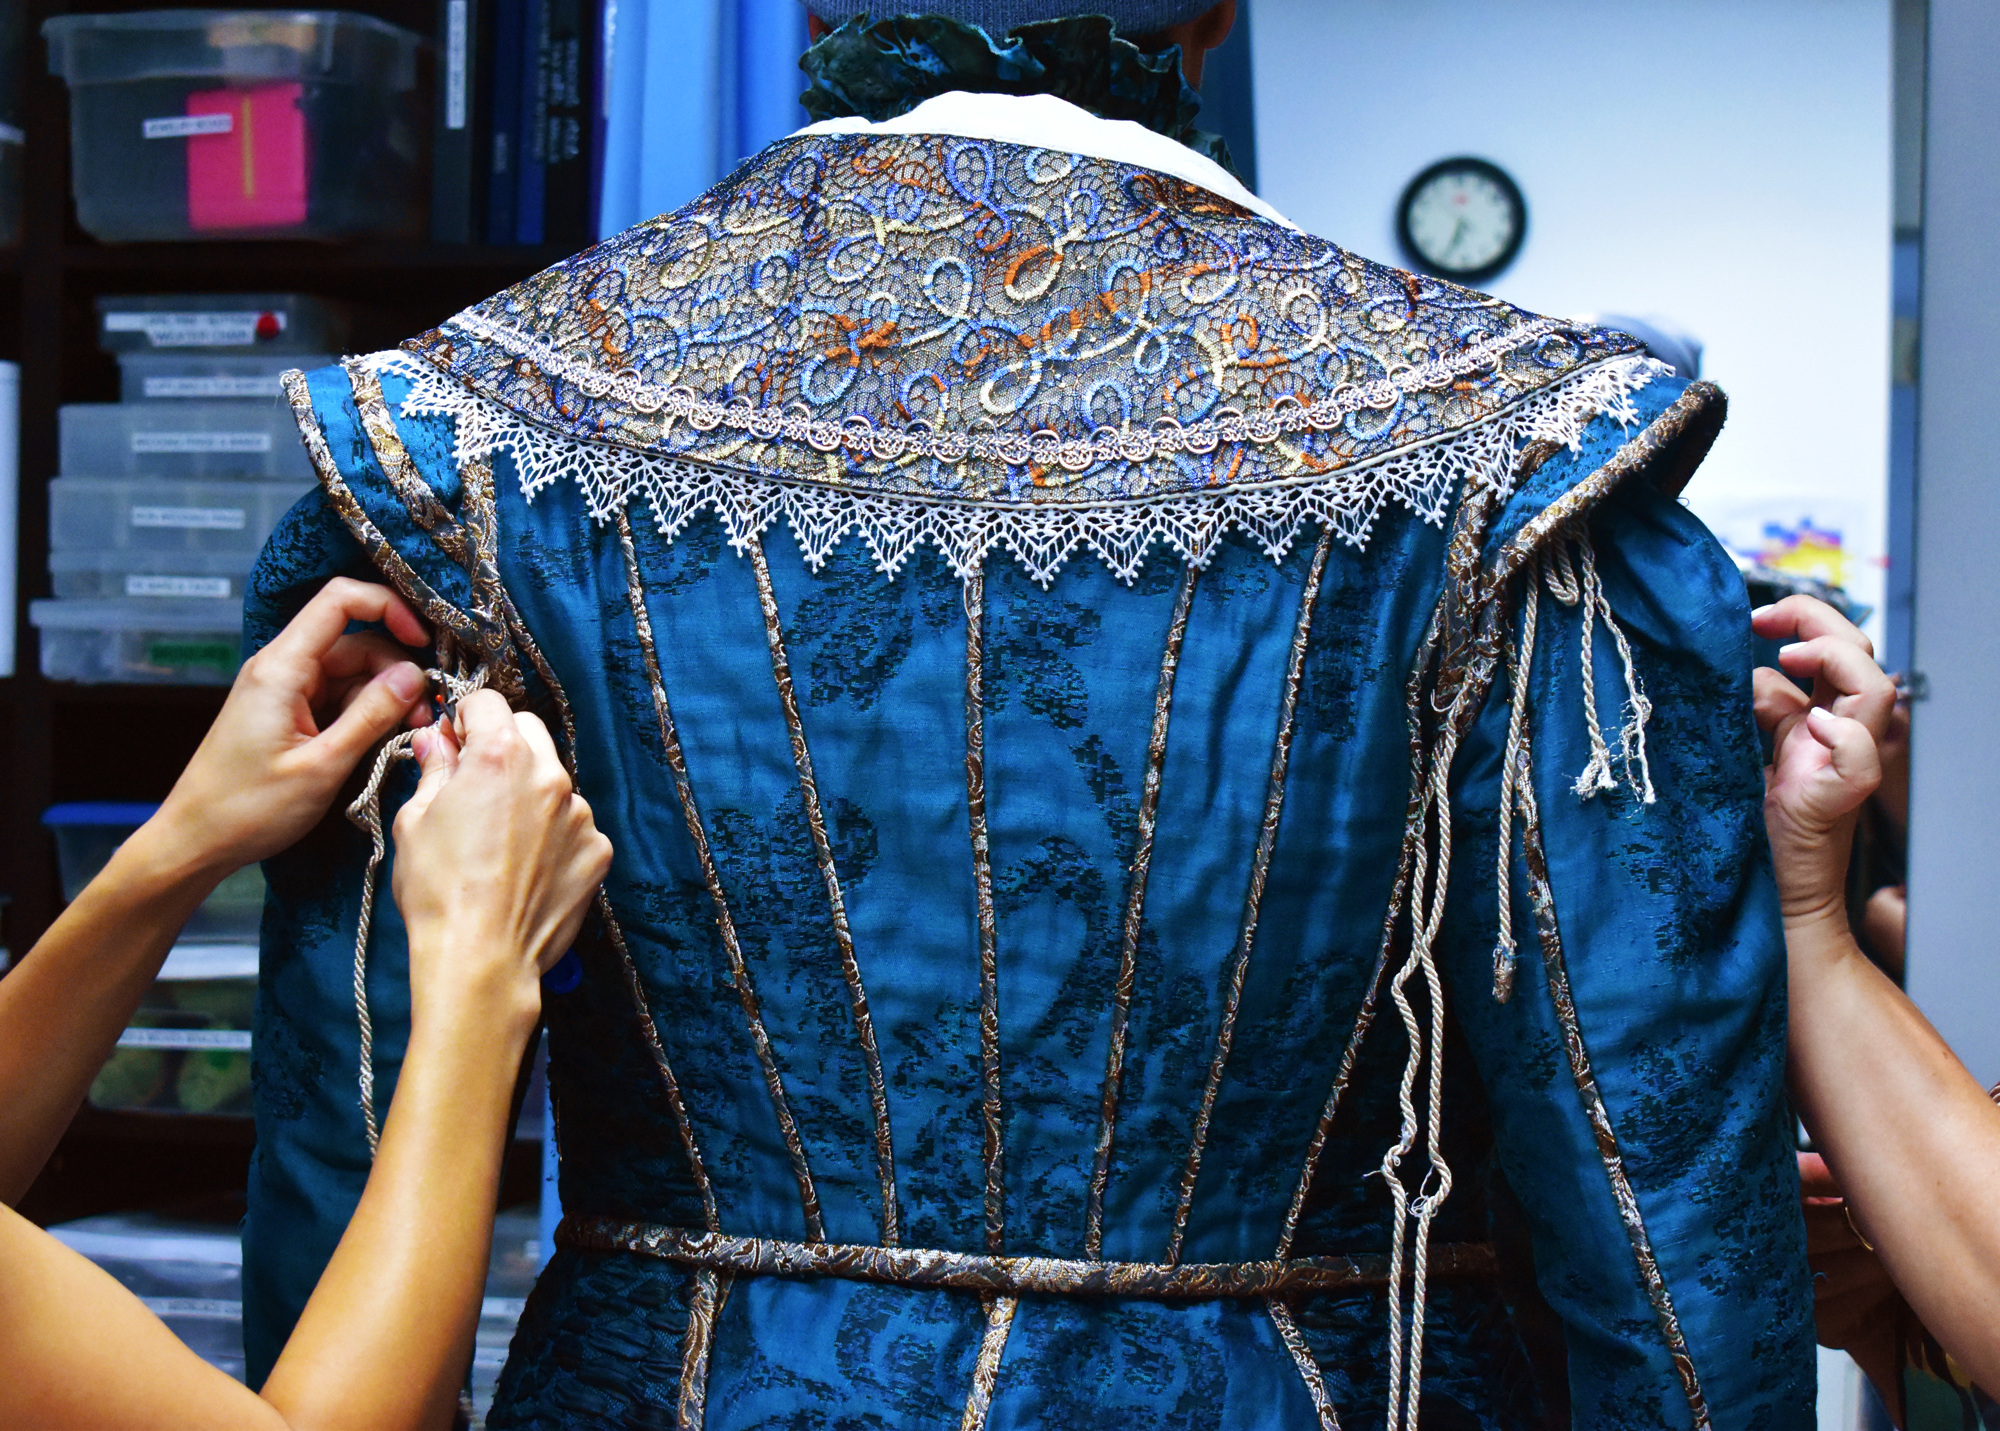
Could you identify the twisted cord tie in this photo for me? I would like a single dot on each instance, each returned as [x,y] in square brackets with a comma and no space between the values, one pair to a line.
[1575,583]
[366,812]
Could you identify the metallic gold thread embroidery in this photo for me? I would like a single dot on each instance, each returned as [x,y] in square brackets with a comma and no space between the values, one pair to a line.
[704,1302]
[986,1370]
[990,1110]
[1302,1357]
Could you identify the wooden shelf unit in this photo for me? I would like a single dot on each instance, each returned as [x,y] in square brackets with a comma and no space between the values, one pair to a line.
[63,742]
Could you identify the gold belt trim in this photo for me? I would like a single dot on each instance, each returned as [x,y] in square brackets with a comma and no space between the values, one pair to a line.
[1011,1276]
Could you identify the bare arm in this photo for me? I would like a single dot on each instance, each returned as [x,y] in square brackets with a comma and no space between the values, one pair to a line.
[1911,1138]
[264,775]
[496,863]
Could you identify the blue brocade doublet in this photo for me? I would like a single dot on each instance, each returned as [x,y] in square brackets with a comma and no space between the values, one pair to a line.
[1059,966]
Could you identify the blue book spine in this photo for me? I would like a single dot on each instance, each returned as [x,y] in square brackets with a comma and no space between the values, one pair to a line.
[509,40]
[533,168]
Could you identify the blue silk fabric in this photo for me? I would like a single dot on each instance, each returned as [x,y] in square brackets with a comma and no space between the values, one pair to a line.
[1667,914]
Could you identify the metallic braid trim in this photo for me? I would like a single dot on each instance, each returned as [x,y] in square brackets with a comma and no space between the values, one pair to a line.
[857,994]
[704,1301]
[991,1111]
[441,614]
[1006,1276]
[1542,896]
[1399,892]
[1260,869]
[986,1370]
[1302,1357]
[1135,905]
[403,474]
[725,923]
[675,1101]
[1696,416]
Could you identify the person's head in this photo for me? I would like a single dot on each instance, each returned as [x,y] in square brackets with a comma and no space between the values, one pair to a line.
[1136,60]
[1197,26]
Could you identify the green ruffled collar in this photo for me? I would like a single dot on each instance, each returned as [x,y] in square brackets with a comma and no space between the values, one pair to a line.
[883,68]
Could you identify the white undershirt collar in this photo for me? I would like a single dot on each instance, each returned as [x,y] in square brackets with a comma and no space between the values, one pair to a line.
[1041,121]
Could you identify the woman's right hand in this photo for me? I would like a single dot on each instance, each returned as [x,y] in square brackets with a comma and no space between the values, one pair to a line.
[497,859]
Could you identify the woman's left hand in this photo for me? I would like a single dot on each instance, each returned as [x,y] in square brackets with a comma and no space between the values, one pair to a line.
[303,712]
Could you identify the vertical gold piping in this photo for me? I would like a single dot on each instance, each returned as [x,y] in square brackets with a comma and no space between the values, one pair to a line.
[725,923]
[1135,904]
[1365,1019]
[1302,1357]
[1260,869]
[704,1302]
[986,1370]
[864,1021]
[675,1101]
[982,877]
[1542,897]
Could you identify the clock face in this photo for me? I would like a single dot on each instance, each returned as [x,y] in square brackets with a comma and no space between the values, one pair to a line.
[1462,219]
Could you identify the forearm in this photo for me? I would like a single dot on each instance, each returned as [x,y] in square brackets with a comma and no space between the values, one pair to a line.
[1912,1139]
[63,1007]
[387,1335]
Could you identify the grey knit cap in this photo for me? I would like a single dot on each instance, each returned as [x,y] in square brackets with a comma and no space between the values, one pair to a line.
[997,17]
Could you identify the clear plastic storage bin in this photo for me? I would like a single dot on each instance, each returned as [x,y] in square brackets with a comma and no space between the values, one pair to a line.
[199,375]
[133,514]
[182,439]
[187,1049]
[89,832]
[189,1275]
[108,574]
[187,643]
[240,323]
[241,123]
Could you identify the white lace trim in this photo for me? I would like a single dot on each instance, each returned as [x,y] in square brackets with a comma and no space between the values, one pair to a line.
[1425,477]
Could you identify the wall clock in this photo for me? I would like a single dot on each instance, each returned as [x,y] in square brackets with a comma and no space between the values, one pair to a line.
[1462,219]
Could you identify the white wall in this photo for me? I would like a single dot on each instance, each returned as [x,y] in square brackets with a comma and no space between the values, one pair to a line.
[1724,164]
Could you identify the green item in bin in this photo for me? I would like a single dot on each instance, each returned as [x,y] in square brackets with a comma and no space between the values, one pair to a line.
[132,1078]
[214,1081]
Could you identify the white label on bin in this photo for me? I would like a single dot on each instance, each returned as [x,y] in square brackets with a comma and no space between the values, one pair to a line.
[204,1309]
[262,385]
[186,126]
[228,1040]
[137,585]
[201,519]
[172,442]
[13,134]
[192,330]
[454,64]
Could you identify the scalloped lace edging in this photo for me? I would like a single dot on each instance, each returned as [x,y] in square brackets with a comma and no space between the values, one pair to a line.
[1425,478]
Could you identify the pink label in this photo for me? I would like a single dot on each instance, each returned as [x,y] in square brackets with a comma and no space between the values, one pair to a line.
[255,174]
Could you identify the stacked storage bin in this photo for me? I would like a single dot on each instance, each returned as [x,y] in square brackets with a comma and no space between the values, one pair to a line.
[188,1048]
[166,498]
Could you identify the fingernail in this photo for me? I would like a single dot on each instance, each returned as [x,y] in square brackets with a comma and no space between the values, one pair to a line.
[1763,611]
[1788,650]
[420,744]
[405,680]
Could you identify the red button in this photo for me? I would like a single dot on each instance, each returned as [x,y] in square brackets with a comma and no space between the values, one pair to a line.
[268,327]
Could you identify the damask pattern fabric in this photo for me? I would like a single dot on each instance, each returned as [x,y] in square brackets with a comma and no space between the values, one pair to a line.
[974,905]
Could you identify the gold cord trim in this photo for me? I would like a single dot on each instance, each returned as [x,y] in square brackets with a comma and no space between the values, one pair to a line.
[1260,869]
[850,968]
[1135,905]
[725,923]
[1005,1276]
[991,1113]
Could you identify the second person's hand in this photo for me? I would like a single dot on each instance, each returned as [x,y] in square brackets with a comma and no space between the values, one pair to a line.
[497,859]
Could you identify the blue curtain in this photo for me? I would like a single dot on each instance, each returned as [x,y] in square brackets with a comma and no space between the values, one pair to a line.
[692,87]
